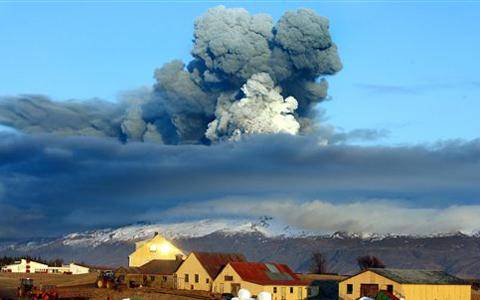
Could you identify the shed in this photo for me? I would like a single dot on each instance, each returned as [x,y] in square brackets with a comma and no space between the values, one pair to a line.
[405,284]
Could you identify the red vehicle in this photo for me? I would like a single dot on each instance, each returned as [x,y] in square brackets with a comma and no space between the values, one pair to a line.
[28,290]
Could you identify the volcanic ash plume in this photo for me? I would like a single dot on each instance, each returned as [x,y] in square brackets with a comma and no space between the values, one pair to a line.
[248,75]
[263,110]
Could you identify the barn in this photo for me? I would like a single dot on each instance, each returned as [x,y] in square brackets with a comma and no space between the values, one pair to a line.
[404,284]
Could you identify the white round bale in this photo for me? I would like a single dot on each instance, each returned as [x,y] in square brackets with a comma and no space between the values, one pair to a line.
[244,294]
[264,296]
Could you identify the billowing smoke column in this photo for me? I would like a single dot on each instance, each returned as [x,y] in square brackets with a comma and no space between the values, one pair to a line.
[248,76]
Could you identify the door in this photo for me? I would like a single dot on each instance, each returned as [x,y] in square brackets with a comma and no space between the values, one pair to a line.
[235,288]
[283,292]
[368,290]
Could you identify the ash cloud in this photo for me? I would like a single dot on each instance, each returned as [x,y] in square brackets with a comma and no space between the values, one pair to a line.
[230,47]
[45,177]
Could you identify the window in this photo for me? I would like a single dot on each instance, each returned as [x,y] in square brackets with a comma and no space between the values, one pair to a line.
[164,278]
[349,289]
[186,277]
[207,280]
[197,279]
[274,289]
[283,293]
[390,288]
[291,290]
[152,278]
[228,278]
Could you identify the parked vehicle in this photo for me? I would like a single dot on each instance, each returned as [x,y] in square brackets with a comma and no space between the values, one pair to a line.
[27,289]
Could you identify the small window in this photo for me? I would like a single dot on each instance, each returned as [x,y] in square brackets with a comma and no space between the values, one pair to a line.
[274,289]
[349,289]
[207,280]
[152,278]
[186,277]
[291,290]
[228,278]
[197,279]
[390,288]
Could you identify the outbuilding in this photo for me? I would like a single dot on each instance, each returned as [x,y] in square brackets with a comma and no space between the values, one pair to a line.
[277,279]
[155,273]
[26,266]
[404,284]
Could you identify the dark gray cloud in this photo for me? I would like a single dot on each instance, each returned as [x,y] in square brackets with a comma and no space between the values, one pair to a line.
[230,47]
[39,114]
[49,178]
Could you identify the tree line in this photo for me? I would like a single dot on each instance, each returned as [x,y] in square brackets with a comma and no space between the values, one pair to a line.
[319,263]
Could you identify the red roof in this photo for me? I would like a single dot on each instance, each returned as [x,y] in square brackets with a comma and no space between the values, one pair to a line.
[266,273]
[213,262]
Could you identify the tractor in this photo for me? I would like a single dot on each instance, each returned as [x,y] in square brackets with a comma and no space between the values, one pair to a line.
[28,290]
[25,288]
[106,279]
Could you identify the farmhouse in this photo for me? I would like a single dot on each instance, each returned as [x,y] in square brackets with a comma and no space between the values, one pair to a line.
[405,284]
[155,273]
[155,248]
[26,266]
[276,279]
[199,269]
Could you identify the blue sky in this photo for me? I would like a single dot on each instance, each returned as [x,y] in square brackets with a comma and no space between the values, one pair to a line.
[410,68]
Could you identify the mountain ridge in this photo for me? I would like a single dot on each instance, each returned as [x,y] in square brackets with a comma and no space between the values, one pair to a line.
[265,240]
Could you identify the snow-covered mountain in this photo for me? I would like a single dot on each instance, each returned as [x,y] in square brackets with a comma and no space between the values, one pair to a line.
[263,240]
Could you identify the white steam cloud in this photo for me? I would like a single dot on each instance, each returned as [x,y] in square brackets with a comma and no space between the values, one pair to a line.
[364,217]
[262,110]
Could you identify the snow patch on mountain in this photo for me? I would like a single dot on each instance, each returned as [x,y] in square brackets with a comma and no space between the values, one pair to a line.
[136,232]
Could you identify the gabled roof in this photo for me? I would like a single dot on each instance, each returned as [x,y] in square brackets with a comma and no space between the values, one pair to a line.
[213,262]
[410,276]
[266,273]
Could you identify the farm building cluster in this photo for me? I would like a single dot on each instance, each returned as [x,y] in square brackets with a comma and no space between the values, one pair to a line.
[30,266]
[160,264]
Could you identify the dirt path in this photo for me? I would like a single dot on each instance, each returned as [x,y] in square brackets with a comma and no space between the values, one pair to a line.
[82,287]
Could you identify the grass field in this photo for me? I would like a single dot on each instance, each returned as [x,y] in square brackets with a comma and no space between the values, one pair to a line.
[83,286]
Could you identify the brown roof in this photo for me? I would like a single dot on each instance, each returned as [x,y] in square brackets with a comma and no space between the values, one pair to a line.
[214,262]
[161,267]
[153,267]
[266,273]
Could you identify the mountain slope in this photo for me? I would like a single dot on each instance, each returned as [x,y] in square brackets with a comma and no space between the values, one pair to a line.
[456,253]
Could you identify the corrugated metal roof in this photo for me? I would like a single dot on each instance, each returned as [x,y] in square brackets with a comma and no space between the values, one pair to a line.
[260,273]
[418,276]
[213,262]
